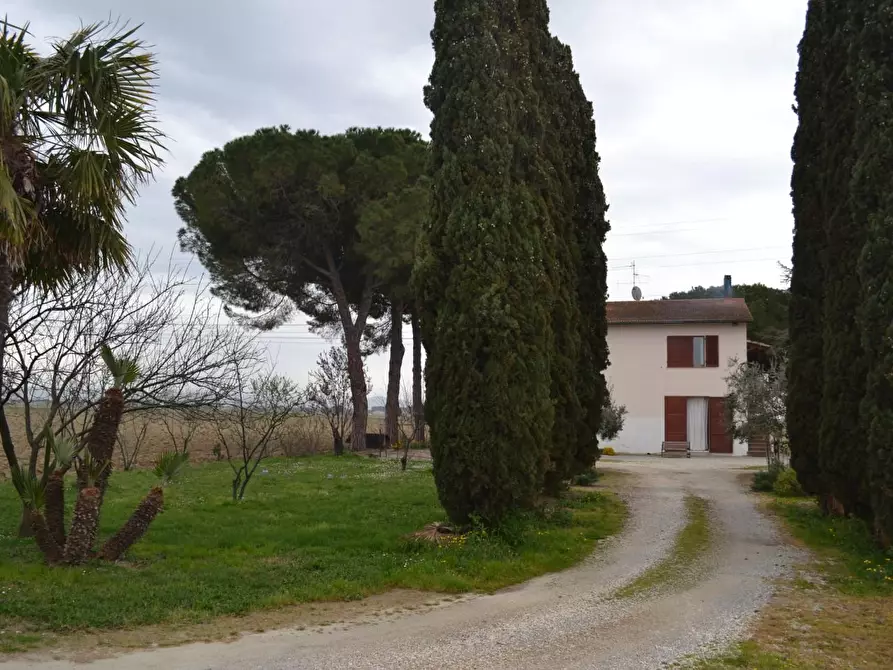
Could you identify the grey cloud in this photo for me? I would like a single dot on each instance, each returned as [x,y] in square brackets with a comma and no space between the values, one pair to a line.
[692,101]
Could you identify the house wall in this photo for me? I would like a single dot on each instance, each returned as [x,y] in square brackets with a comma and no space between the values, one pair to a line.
[640,378]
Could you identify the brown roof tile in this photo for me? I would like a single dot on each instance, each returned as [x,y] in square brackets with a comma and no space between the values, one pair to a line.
[718,310]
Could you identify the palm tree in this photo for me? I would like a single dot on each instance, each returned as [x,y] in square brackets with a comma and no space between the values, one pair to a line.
[85,518]
[167,467]
[103,432]
[78,137]
[64,453]
[32,491]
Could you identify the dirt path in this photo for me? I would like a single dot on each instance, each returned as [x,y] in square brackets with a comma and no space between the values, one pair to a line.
[568,620]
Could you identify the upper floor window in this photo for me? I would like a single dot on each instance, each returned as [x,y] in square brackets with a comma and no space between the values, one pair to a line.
[699,351]
[692,351]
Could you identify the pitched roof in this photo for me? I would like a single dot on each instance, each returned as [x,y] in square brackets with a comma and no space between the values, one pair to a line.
[717,310]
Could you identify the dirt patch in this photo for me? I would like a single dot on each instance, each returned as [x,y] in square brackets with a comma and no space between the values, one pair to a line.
[300,436]
[818,628]
[86,646]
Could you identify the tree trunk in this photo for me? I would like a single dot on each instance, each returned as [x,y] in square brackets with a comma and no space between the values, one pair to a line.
[392,406]
[357,374]
[135,527]
[25,527]
[418,408]
[6,297]
[54,506]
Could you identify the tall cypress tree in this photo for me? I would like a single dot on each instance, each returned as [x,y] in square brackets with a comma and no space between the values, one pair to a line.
[841,438]
[872,189]
[591,227]
[483,277]
[552,67]
[805,377]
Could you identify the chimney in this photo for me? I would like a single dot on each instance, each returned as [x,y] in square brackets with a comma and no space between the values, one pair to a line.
[727,286]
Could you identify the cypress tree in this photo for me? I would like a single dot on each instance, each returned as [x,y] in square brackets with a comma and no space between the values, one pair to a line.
[872,189]
[483,277]
[591,226]
[559,146]
[841,438]
[805,376]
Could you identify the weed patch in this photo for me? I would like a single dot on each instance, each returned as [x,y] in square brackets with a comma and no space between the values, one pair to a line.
[682,564]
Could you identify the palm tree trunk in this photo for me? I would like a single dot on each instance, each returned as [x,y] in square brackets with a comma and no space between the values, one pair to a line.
[418,408]
[395,365]
[7,295]
[136,526]
[104,432]
[54,506]
[47,544]
[83,526]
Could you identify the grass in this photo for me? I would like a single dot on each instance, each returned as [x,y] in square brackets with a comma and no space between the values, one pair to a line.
[745,655]
[682,563]
[836,613]
[312,529]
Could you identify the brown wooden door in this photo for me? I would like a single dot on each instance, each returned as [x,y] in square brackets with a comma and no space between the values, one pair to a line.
[720,440]
[675,419]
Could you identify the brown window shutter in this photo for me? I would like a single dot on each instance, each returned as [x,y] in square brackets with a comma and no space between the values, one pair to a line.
[712,351]
[680,351]
[675,419]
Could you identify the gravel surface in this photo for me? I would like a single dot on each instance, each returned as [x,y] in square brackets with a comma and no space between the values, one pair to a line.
[567,620]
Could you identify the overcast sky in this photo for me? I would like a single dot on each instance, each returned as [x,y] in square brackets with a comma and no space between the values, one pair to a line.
[692,105]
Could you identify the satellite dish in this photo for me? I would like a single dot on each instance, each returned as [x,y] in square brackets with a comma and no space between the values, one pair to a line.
[637,293]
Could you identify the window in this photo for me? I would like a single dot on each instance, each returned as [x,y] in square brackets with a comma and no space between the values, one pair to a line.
[699,352]
[693,351]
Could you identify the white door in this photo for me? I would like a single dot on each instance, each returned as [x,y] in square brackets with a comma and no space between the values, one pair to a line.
[697,424]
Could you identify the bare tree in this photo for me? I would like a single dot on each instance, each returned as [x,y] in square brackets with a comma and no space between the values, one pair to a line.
[166,321]
[132,435]
[249,421]
[329,394]
[181,425]
[756,405]
[409,423]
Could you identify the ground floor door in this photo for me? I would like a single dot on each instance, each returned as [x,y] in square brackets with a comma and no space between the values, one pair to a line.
[675,419]
[696,416]
[720,439]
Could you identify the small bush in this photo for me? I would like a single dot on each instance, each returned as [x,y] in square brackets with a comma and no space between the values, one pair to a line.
[586,479]
[764,480]
[787,485]
[609,451]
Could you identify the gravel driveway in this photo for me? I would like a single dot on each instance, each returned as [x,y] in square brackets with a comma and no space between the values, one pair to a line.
[567,620]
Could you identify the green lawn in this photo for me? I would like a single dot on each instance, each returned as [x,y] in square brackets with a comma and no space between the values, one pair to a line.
[321,528]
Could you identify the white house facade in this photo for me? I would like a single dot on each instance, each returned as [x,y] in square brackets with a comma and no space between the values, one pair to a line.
[668,364]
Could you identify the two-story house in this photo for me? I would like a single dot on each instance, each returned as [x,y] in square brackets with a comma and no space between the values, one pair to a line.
[668,364]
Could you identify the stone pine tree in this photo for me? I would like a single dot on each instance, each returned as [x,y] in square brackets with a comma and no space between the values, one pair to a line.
[841,438]
[483,275]
[806,329]
[872,200]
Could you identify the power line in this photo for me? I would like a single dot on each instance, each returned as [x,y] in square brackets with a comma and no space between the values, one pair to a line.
[698,253]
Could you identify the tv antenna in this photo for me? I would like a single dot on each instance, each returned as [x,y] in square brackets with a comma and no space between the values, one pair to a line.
[637,292]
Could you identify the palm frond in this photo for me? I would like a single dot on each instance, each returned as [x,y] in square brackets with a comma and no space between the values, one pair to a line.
[91,469]
[169,464]
[109,359]
[64,449]
[30,488]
